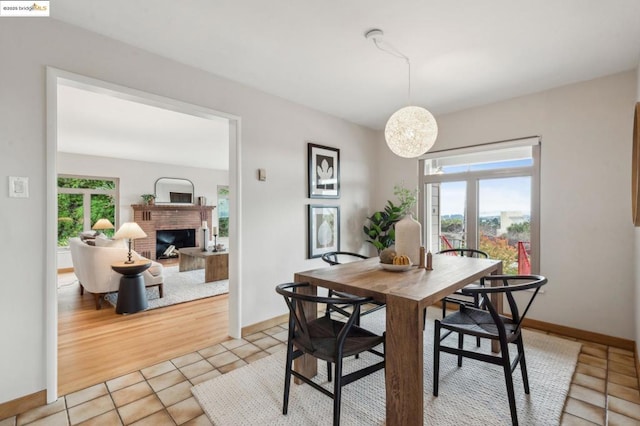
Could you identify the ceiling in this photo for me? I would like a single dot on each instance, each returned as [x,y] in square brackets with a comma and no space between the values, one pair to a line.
[91,122]
[463,53]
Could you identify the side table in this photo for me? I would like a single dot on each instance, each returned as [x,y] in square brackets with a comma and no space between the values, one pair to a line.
[132,296]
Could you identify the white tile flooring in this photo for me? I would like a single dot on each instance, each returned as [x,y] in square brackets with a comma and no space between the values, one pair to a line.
[604,389]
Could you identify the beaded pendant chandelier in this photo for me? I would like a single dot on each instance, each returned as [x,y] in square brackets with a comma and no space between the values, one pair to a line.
[411,131]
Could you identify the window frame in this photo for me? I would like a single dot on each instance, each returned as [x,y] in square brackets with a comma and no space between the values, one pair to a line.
[472,179]
[86,197]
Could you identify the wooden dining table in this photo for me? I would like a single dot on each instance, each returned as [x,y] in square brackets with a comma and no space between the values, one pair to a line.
[406,295]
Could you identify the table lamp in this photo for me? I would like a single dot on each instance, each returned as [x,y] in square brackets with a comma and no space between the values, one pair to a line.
[130,231]
[102,224]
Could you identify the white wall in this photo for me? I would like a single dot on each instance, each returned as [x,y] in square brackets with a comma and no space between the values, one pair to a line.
[274,136]
[587,238]
[139,177]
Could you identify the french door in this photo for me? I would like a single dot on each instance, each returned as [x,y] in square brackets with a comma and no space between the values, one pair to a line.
[486,200]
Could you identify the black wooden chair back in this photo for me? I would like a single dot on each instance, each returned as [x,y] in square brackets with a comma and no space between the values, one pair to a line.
[464,252]
[461,297]
[487,323]
[339,257]
[327,339]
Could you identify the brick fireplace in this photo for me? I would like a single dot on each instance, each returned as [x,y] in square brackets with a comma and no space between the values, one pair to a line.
[167,217]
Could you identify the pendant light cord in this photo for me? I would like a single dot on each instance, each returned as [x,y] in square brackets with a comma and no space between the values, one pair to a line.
[395,52]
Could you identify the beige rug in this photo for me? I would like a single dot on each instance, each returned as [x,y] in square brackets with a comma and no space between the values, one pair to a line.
[472,395]
[179,287]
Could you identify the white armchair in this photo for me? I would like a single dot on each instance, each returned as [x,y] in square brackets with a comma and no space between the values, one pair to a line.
[92,266]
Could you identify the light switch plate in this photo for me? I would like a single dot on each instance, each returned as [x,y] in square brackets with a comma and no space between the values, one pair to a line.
[18,187]
[262,174]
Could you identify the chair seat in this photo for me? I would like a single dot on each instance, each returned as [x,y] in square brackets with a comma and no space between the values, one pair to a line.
[477,322]
[464,290]
[324,332]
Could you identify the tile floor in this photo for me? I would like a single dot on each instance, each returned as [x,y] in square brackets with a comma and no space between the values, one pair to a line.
[604,389]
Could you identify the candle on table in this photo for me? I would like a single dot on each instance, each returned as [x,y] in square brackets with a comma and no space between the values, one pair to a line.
[215,230]
[204,224]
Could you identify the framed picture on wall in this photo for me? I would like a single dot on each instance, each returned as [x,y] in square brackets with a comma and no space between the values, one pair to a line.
[324,171]
[324,229]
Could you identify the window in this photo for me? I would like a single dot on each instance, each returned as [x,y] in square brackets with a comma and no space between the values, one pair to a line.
[486,198]
[223,211]
[81,202]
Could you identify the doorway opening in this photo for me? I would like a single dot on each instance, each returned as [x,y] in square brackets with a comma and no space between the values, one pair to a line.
[57,78]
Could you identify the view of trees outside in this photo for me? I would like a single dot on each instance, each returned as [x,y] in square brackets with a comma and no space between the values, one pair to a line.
[503,222]
[223,211]
[71,206]
[503,247]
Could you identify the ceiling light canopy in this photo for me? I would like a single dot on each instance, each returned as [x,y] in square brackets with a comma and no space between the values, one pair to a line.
[411,131]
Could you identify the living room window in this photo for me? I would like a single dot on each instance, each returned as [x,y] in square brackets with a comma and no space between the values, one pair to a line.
[82,201]
[223,211]
[486,198]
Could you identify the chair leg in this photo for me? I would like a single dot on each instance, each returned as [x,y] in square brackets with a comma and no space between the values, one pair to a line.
[460,344]
[523,364]
[476,304]
[424,319]
[329,371]
[81,289]
[436,357]
[287,378]
[444,308]
[508,378]
[337,392]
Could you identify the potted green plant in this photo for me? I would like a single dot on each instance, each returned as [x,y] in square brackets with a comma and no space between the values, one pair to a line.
[149,199]
[380,229]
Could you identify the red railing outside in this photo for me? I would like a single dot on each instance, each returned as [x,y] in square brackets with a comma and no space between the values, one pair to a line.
[524,264]
[446,242]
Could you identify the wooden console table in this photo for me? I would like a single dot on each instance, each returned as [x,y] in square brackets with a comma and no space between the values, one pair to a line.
[215,264]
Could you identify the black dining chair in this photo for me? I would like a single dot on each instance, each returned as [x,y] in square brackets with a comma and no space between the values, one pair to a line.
[487,323]
[327,339]
[461,297]
[340,257]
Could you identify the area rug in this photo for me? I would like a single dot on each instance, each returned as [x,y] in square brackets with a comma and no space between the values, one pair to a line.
[180,287]
[472,395]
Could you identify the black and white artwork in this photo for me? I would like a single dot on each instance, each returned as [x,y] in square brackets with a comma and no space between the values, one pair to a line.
[324,230]
[324,171]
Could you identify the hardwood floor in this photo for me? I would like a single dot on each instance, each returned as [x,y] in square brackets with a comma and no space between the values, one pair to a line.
[98,345]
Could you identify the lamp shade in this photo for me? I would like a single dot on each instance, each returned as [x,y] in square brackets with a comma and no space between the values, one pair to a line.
[130,230]
[411,131]
[103,224]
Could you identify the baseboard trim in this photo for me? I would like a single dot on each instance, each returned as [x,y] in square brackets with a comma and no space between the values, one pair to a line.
[64,270]
[22,404]
[576,333]
[635,352]
[263,325]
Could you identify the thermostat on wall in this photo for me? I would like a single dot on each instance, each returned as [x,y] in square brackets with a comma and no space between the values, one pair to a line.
[18,187]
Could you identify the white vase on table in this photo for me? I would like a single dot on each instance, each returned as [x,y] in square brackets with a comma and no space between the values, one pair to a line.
[408,238]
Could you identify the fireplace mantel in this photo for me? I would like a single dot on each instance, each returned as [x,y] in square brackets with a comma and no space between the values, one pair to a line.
[167,216]
[176,207]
